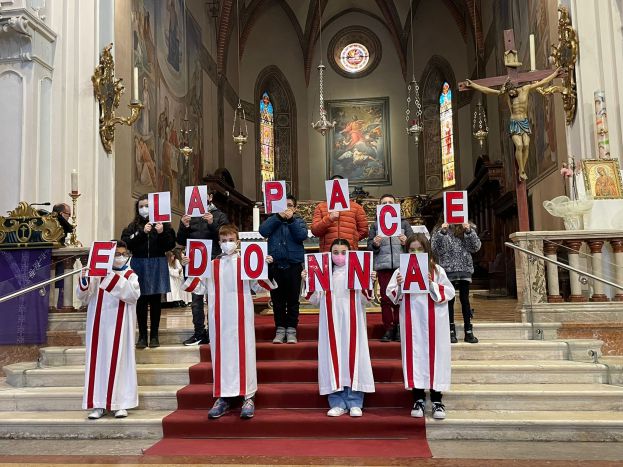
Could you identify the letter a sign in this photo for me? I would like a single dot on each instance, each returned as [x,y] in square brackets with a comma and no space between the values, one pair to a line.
[337,195]
[414,272]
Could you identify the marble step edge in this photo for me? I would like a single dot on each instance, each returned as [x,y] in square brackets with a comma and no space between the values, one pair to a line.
[492,371]
[571,349]
[527,426]
[461,397]
[140,424]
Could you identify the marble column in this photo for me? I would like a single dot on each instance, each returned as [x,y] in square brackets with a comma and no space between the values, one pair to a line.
[617,248]
[574,278]
[598,287]
[550,249]
[68,285]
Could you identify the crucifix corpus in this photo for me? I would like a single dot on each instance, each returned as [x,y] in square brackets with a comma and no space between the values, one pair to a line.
[516,97]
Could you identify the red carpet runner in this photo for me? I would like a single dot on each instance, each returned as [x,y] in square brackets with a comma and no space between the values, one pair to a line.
[290,417]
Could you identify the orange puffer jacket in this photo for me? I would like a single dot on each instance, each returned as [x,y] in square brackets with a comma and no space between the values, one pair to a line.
[351,225]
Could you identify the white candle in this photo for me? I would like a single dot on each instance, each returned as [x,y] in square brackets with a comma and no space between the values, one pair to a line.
[532,53]
[135,84]
[256,218]
[74,181]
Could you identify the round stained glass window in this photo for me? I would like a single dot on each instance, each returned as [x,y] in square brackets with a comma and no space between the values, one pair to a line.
[354,52]
[354,58]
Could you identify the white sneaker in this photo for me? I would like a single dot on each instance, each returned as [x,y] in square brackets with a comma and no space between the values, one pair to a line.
[336,412]
[356,412]
[439,411]
[121,413]
[280,336]
[418,409]
[291,336]
[96,414]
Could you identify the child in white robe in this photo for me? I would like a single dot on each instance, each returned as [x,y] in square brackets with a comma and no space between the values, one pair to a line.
[232,346]
[425,346]
[110,382]
[344,367]
[177,295]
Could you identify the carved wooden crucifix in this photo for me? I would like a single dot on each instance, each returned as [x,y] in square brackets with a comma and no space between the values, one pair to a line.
[517,87]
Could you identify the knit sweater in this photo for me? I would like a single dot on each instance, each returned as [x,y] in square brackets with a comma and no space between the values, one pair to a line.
[454,254]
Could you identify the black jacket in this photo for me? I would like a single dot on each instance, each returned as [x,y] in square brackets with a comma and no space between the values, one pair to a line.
[152,245]
[198,228]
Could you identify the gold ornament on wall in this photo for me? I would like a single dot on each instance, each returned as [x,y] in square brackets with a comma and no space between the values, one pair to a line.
[26,227]
[107,90]
[564,56]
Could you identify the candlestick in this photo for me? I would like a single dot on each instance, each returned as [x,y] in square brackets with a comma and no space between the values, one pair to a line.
[532,53]
[74,181]
[256,218]
[135,84]
[73,236]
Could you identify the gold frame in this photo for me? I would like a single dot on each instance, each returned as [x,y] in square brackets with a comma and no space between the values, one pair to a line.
[564,56]
[107,90]
[588,165]
[17,229]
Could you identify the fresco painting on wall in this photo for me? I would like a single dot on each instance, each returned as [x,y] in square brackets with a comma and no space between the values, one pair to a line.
[529,17]
[171,89]
[358,148]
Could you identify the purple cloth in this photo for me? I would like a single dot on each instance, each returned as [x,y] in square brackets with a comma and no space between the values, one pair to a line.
[24,319]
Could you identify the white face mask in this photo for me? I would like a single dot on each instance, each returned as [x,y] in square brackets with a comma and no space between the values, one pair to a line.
[228,247]
[119,262]
[144,212]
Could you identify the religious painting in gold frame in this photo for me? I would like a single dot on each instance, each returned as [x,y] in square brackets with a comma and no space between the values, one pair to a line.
[602,178]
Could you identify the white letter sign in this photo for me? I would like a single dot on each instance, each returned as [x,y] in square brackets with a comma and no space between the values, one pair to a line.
[337,195]
[388,219]
[253,256]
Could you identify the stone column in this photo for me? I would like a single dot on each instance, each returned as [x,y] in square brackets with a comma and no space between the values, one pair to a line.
[617,248]
[598,287]
[550,250]
[574,261]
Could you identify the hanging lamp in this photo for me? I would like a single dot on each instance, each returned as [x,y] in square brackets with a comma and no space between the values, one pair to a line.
[323,125]
[413,122]
[239,135]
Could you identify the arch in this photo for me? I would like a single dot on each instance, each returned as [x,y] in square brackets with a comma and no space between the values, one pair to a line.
[274,82]
[437,71]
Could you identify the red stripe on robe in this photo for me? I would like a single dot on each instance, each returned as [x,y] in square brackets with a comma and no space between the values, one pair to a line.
[242,355]
[431,339]
[332,340]
[217,329]
[193,285]
[113,283]
[115,354]
[94,344]
[409,341]
[352,348]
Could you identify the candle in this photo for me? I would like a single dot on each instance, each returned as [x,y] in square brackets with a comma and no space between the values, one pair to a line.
[74,181]
[532,53]
[256,218]
[135,84]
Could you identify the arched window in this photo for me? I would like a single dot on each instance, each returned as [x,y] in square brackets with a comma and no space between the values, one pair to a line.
[267,139]
[447,136]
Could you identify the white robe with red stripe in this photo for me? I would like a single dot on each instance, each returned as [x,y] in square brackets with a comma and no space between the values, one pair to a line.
[425,333]
[110,365]
[231,323]
[343,354]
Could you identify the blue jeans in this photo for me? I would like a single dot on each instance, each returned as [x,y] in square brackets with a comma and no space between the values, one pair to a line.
[346,399]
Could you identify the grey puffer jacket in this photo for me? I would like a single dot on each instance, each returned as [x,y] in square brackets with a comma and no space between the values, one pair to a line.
[387,254]
[454,254]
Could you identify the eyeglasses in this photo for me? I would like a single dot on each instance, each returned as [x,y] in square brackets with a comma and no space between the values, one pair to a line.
[121,255]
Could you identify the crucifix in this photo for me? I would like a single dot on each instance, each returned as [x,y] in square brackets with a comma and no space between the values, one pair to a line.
[517,96]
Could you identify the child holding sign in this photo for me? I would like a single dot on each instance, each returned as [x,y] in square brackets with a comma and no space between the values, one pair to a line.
[230,305]
[425,344]
[149,242]
[110,367]
[344,367]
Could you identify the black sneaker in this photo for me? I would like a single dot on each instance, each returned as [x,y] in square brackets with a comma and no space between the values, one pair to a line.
[396,336]
[387,337]
[418,409]
[195,339]
[439,411]
[154,342]
[205,339]
[141,343]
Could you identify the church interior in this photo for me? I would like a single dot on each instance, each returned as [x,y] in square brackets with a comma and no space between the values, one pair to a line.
[515,104]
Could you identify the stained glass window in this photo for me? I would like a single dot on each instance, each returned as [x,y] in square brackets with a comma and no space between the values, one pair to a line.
[447,136]
[354,58]
[267,139]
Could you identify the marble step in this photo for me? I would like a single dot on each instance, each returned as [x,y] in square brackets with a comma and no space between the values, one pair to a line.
[542,425]
[577,350]
[48,399]
[460,397]
[484,331]
[477,371]
[140,424]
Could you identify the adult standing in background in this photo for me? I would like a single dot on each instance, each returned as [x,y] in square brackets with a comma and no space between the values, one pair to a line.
[149,243]
[205,228]
[286,231]
[386,251]
[351,225]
